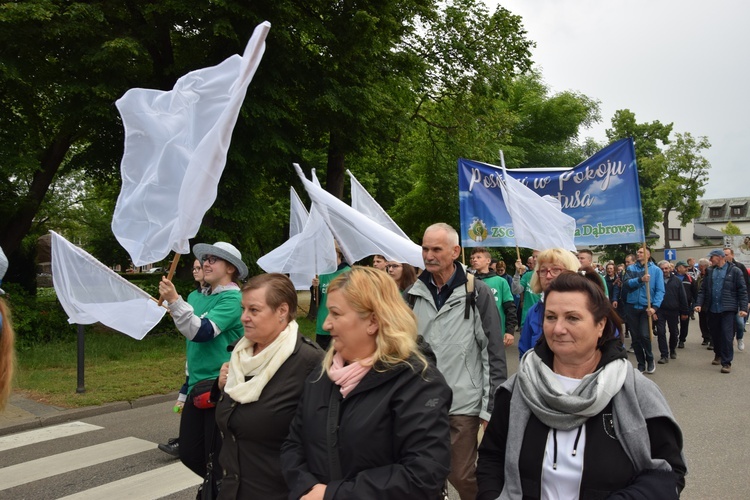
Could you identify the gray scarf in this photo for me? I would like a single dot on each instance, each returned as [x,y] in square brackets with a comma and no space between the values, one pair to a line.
[549,402]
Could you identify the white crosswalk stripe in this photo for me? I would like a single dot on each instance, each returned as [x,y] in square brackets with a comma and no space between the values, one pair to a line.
[143,484]
[61,463]
[45,434]
[148,485]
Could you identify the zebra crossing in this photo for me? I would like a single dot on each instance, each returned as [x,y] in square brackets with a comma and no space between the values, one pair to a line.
[156,483]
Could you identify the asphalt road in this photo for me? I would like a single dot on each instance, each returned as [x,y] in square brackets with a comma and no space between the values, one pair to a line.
[711,408]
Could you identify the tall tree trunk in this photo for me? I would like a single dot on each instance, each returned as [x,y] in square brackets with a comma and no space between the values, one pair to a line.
[15,229]
[665,223]
[336,168]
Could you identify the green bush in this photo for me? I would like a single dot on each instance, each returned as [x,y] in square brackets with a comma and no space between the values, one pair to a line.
[37,318]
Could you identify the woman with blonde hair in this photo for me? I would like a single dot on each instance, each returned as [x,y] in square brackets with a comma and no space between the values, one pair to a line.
[7,342]
[373,419]
[549,265]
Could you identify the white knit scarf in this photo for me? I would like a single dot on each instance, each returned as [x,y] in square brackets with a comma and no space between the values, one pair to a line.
[261,367]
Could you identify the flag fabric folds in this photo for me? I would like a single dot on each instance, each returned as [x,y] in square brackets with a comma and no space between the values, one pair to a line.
[298,214]
[176,146]
[538,221]
[304,255]
[364,203]
[359,236]
[90,292]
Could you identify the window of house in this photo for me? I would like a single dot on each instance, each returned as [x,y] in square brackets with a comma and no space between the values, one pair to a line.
[674,234]
[716,211]
[737,211]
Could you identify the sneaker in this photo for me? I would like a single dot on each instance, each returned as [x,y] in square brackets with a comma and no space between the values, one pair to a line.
[710,346]
[681,345]
[641,368]
[705,342]
[651,367]
[726,369]
[741,344]
[716,361]
[171,448]
[673,355]
[663,360]
[630,349]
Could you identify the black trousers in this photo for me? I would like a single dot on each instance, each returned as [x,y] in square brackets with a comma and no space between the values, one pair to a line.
[671,319]
[197,428]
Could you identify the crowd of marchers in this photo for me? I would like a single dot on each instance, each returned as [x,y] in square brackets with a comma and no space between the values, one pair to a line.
[406,389]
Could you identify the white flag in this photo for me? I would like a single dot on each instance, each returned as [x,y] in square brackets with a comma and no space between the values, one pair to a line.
[298,214]
[91,292]
[363,202]
[304,255]
[176,146]
[358,235]
[538,222]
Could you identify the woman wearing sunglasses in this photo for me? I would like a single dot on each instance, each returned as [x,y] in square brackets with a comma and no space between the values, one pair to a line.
[210,322]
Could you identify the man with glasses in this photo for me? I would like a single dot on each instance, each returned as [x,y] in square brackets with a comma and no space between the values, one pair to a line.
[639,309]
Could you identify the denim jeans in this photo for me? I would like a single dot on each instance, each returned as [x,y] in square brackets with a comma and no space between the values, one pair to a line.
[739,326]
[641,335]
[721,326]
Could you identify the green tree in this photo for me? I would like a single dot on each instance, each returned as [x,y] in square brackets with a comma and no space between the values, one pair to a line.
[649,139]
[685,173]
[731,229]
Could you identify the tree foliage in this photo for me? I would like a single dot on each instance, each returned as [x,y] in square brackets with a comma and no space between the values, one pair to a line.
[731,229]
[684,175]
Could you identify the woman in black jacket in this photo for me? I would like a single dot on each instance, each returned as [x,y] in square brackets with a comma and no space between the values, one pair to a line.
[577,421]
[261,386]
[373,419]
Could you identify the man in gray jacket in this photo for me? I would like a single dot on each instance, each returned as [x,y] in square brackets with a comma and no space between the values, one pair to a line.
[457,316]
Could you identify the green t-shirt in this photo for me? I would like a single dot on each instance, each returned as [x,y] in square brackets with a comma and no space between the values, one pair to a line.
[501,292]
[529,298]
[325,280]
[224,309]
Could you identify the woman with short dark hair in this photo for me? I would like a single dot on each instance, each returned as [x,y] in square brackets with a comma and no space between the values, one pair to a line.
[584,423]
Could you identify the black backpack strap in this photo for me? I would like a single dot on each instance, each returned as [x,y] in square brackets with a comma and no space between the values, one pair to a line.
[332,435]
[469,295]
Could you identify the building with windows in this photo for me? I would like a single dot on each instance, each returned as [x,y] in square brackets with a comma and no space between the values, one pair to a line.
[704,232]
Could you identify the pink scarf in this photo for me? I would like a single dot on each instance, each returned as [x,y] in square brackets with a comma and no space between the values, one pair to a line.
[347,377]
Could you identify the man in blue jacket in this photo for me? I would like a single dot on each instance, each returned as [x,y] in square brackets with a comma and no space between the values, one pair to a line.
[724,293]
[638,307]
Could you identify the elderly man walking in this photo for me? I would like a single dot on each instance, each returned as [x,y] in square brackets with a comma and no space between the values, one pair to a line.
[457,316]
[724,293]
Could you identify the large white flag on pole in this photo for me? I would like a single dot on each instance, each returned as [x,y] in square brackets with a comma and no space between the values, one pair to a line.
[91,292]
[176,146]
[363,202]
[538,221]
[358,235]
[304,255]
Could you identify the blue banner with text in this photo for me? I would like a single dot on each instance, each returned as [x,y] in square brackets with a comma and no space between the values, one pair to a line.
[601,194]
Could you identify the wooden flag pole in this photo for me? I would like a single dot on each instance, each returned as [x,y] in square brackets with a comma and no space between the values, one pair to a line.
[170,275]
[648,296]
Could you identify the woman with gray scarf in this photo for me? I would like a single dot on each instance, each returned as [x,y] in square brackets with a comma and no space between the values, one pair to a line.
[584,423]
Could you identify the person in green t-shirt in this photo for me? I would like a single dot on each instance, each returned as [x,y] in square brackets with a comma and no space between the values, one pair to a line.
[322,337]
[210,322]
[480,262]
[522,284]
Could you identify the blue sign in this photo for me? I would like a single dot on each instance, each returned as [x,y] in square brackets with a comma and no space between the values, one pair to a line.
[670,254]
[601,194]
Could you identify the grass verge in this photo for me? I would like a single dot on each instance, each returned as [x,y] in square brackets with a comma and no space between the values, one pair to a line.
[116,368]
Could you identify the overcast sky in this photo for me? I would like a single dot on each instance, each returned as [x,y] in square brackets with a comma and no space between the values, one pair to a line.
[680,61]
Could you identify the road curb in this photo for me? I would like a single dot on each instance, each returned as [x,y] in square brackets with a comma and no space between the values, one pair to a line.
[67,415]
